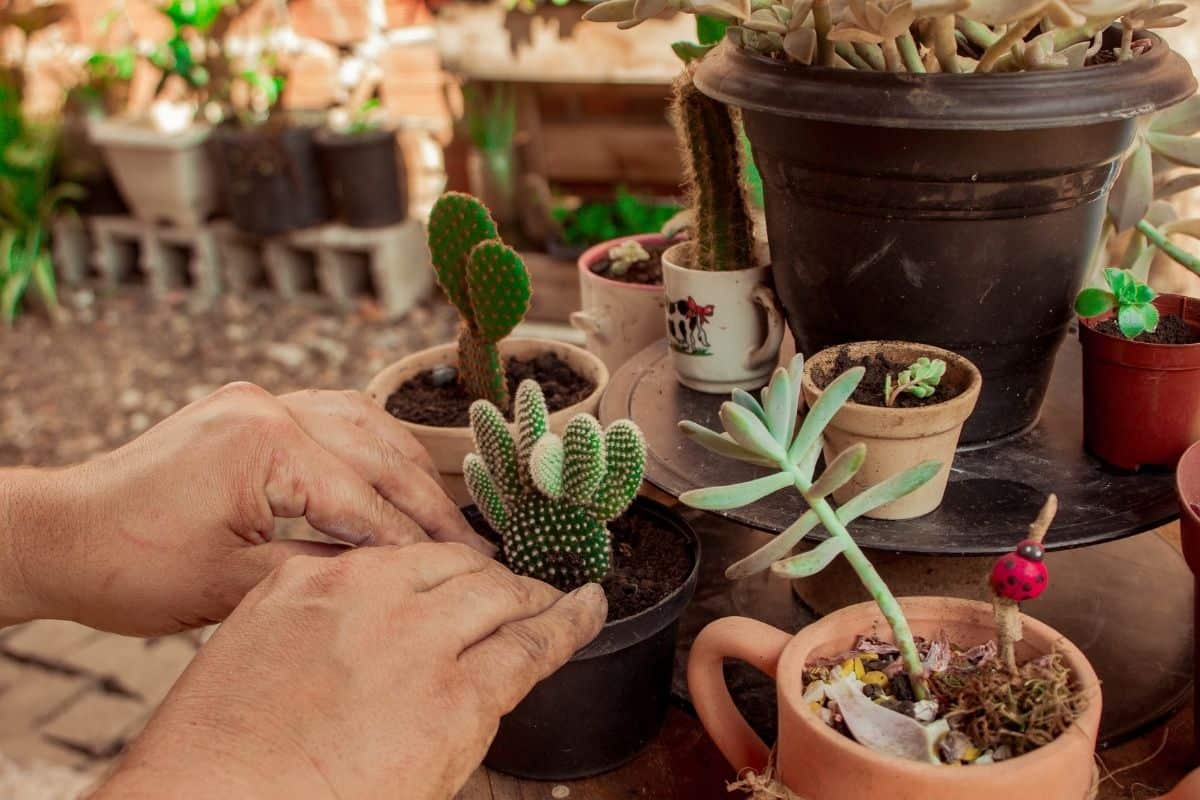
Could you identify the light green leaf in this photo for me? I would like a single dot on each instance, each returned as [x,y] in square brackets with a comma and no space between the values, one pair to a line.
[808,564]
[780,401]
[750,432]
[1131,321]
[839,473]
[807,464]
[1182,120]
[1180,149]
[724,498]
[828,404]
[1134,190]
[43,279]
[721,444]
[750,403]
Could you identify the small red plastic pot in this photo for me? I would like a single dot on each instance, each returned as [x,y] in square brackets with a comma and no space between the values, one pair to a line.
[1141,402]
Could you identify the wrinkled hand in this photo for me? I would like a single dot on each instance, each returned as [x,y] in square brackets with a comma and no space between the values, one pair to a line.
[172,530]
[382,673]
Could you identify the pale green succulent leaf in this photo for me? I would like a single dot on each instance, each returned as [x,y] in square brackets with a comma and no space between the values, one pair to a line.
[808,564]
[724,498]
[823,410]
[1180,149]
[749,431]
[1134,190]
[839,473]
[750,403]
[1183,119]
[722,444]
[780,402]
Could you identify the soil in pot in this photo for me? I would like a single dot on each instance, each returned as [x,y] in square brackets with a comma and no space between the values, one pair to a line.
[879,367]
[1172,329]
[647,272]
[437,398]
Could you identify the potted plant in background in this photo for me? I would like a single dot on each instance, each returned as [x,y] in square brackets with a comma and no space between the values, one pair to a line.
[160,163]
[1141,372]
[102,91]
[361,145]
[905,707]
[723,325]
[431,391]
[561,508]
[267,157]
[490,122]
[937,172]
[909,408]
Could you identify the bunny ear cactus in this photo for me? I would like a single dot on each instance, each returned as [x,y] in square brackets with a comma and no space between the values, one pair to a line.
[486,281]
[763,432]
[550,497]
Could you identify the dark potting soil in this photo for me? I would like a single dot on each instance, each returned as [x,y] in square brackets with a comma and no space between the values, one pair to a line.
[879,366]
[437,398]
[647,272]
[1172,329]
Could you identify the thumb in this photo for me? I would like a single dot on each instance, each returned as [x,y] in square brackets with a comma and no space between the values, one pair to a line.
[248,566]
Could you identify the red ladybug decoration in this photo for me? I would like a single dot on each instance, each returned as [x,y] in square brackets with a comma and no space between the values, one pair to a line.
[1021,575]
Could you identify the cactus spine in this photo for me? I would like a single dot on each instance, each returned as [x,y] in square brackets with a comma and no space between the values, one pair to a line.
[712,156]
[486,281]
[549,497]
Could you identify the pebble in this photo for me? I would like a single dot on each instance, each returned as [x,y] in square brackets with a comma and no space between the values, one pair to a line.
[139,422]
[560,791]
[443,375]
[289,356]
[130,400]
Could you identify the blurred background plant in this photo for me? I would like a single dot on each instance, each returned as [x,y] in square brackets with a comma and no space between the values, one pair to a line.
[586,223]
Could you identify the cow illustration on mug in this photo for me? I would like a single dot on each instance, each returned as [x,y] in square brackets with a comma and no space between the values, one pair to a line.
[686,321]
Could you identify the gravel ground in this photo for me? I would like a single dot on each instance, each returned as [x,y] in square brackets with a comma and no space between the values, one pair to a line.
[116,364]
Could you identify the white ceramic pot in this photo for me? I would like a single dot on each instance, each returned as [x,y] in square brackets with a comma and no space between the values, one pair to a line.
[449,446]
[724,328]
[619,319]
[162,176]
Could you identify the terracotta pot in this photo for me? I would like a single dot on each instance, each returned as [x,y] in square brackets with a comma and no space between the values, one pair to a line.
[449,446]
[1141,402]
[1187,484]
[899,438]
[619,319]
[724,328]
[819,763]
[162,177]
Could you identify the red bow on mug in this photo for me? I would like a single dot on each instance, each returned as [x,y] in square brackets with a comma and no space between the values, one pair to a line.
[697,311]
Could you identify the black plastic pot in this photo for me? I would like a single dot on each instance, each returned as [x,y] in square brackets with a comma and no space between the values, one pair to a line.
[269,176]
[608,702]
[959,211]
[365,177]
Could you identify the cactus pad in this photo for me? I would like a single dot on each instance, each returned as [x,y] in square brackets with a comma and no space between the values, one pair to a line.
[457,223]
[550,497]
[498,287]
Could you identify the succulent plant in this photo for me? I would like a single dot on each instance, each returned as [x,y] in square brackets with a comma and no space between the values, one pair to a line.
[913,35]
[550,497]
[764,433]
[921,379]
[486,281]
[624,255]
[1132,299]
[712,154]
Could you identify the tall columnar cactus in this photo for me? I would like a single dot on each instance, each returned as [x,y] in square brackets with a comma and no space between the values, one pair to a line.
[486,281]
[549,497]
[712,156]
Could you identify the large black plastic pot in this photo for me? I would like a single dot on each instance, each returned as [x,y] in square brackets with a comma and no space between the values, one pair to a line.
[269,175]
[608,702]
[365,176]
[959,211]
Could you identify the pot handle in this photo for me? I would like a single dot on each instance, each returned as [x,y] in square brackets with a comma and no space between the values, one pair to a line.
[590,324]
[748,640]
[768,351]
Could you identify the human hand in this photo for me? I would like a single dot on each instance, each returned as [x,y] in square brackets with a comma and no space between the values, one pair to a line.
[173,529]
[380,673]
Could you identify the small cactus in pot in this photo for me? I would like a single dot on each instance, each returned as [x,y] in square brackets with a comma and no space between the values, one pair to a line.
[550,497]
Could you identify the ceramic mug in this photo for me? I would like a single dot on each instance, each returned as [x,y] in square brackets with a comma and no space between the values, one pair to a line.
[724,328]
[619,319]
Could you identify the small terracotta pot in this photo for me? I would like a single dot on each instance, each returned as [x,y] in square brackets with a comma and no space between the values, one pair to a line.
[898,438]
[817,762]
[1141,402]
[724,328]
[449,446]
[619,319]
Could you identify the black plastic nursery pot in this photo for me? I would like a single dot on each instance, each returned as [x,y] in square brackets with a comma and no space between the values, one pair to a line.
[960,211]
[365,177]
[609,701]
[269,175]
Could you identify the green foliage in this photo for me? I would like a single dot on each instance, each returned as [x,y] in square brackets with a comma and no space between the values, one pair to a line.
[626,215]
[191,22]
[1132,299]
[549,497]
[486,281]
[921,379]
[763,432]
[364,119]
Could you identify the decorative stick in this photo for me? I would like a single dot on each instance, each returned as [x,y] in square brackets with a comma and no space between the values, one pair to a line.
[1020,575]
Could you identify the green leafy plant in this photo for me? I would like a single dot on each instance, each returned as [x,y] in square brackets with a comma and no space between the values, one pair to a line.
[921,379]
[365,118]
[1132,299]
[916,36]
[763,432]
[626,215]
[486,281]
[490,120]
[550,497]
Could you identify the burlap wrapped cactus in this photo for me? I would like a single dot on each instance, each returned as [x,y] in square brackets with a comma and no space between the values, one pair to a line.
[550,497]
[486,281]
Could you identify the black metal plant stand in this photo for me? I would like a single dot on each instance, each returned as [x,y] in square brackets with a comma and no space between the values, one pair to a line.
[1124,599]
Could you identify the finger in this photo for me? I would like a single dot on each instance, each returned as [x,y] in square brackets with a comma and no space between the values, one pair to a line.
[307,481]
[394,476]
[425,567]
[358,410]
[509,663]
[483,601]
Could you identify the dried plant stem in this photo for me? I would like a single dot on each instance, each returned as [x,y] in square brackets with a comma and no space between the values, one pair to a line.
[909,52]
[846,51]
[871,54]
[823,23]
[945,45]
[1162,242]
[1126,43]
[1017,32]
